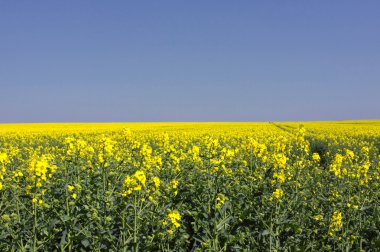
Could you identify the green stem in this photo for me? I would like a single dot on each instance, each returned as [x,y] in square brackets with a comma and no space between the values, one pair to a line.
[35,226]
[135,224]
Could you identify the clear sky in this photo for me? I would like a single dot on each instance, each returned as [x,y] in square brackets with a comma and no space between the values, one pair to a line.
[189,60]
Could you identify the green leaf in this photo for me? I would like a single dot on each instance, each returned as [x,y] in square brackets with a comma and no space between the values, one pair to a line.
[85,243]
[223,222]
[265,232]
[63,238]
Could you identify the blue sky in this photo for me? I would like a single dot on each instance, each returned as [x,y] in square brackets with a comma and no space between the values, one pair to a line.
[189,60]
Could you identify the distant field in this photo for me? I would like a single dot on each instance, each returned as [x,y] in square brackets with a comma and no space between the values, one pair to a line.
[276,186]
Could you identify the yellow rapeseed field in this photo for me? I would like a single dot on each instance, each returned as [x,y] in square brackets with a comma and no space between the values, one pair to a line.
[190,186]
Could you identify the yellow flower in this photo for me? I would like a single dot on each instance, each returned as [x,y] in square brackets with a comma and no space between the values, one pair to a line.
[336,165]
[365,150]
[316,157]
[70,188]
[278,193]
[140,176]
[156,182]
[174,184]
[40,169]
[17,175]
[131,183]
[170,231]
[280,160]
[4,159]
[220,199]
[279,177]
[137,188]
[128,181]
[336,222]
[350,154]
[74,195]
[175,217]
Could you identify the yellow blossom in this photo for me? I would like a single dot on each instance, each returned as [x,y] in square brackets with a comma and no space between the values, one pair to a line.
[174,184]
[220,199]
[278,193]
[156,182]
[70,188]
[336,222]
[140,176]
[316,157]
[175,217]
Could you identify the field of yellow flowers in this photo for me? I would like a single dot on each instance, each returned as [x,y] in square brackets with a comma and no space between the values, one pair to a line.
[190,186]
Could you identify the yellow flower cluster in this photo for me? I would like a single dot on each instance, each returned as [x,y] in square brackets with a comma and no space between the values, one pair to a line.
[134,183]
[4,160]
[74,190]
[40,169]
[336,223]
[220,200]
[173,221]
[316,158]
[277,195]
[281,172]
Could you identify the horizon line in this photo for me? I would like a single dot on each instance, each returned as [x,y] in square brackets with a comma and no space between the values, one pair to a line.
[259,121]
